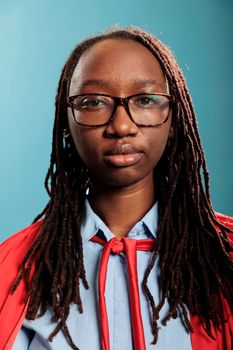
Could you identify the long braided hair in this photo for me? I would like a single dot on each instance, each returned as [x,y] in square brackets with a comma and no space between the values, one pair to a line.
[193,248]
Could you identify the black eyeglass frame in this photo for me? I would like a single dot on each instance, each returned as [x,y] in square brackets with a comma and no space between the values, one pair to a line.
[120,101]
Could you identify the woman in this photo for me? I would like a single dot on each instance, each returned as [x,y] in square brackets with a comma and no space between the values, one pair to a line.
[127,173]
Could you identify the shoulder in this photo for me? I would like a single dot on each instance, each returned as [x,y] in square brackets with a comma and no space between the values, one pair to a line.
[12,252]
[225,220]
[228,222]
[14,248]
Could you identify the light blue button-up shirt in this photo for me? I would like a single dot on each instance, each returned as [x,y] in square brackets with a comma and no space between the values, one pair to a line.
[84,328]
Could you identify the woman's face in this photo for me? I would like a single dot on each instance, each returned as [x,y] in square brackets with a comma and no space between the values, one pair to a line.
[119,153]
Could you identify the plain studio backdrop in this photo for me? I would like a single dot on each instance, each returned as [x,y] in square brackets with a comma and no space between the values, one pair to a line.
[36,37]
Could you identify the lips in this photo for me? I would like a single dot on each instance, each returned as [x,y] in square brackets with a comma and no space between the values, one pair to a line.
[122,155]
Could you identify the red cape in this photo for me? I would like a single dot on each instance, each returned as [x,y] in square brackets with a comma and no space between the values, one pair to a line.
[13,309]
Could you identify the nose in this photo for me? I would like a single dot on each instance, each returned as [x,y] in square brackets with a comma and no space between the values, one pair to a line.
[121,124]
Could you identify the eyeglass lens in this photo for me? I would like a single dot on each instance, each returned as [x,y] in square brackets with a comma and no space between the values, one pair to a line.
[145,109]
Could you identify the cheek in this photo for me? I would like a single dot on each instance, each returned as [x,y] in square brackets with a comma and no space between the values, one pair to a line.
[78,136]
[81,145]
[86,146]
[157,144]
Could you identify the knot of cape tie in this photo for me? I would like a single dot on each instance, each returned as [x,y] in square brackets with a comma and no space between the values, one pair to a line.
[129,247]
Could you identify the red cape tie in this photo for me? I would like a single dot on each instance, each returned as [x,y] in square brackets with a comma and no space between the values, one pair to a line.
[129,246]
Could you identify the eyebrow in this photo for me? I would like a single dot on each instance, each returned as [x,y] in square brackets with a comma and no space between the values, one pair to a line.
[106,83]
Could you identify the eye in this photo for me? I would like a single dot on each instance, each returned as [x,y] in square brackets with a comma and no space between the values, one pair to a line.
[90,102]
[144,101]
[150,102]
[147,101]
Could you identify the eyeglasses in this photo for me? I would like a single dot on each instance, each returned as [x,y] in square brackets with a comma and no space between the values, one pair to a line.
[145,109]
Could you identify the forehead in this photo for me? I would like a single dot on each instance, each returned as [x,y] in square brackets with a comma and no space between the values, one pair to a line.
[118,62]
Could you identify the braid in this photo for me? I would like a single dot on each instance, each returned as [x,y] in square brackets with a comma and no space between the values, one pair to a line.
[194,260]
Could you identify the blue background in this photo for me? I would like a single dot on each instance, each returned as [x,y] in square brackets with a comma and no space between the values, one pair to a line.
[36,38]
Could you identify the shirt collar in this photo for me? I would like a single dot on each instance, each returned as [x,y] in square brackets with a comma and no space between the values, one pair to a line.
[92,224]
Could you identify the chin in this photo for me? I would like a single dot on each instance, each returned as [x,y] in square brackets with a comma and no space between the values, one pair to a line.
[120,179]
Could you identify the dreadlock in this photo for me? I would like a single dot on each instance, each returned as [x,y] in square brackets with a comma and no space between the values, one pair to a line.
[192,244]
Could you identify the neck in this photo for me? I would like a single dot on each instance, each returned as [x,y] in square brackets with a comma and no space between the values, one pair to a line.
[122,208]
